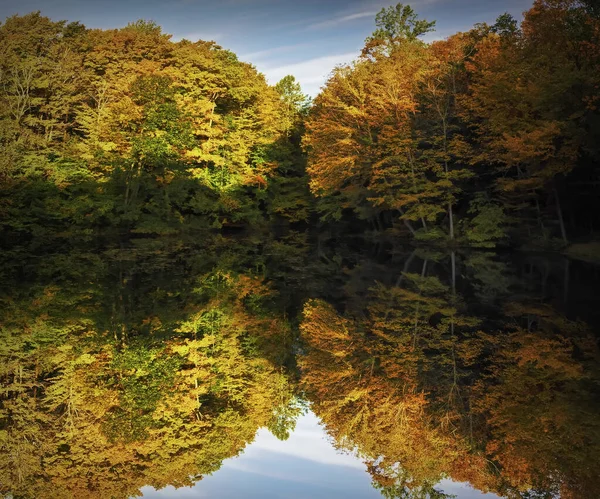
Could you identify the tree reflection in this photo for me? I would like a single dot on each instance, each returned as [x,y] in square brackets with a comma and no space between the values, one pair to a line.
[150,361]
[436,376]
[145,366]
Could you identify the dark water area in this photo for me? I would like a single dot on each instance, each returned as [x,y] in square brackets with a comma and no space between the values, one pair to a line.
[296,365]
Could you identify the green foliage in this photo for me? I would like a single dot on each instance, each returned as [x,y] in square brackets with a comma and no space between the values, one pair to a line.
[400,22]
[434,234]
[505,25]
[291,94]
[488,225]
[145,26]
[284,418]
[122,367]
[138,132]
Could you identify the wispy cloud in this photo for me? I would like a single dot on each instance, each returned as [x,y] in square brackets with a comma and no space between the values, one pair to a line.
[259,54]
[341,20]
[312,73]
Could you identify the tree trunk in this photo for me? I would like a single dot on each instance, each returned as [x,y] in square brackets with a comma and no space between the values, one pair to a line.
[566,280]
[450,214]
[539,213]
[415,331]
[451,221]
[412,169]
[453,260]
[407,222]
[563,231]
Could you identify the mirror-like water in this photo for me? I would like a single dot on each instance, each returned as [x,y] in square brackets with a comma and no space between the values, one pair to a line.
[296,366]
[305,465]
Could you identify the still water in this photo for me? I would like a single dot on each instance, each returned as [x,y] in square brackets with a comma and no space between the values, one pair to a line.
[296,366]
[307,465]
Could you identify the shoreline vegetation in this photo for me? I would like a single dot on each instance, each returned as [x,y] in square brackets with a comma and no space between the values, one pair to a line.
[189,254]
[488,138]
[586,252]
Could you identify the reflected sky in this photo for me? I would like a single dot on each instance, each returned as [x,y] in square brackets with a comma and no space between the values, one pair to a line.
[305,466]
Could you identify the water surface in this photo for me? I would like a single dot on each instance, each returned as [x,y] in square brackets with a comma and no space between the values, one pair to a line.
[305,465]
[296,366]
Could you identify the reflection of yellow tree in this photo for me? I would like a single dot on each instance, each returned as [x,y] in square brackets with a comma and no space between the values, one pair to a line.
[84,415]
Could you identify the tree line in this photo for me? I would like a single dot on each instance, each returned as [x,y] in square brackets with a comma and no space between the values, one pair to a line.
[126,128]
[487,137]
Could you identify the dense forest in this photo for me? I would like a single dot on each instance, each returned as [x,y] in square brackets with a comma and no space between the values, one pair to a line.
[189,254]
[127,367]
[487,137]
[124,128]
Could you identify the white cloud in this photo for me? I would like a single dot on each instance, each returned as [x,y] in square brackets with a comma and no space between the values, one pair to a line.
[311,74]
[252,56]
[343,19]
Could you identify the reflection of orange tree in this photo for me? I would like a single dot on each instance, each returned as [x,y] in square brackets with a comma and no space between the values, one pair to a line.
[83,418]
[540,400]
[421,393]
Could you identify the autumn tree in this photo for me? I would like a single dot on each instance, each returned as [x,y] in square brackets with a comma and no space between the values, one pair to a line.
[529,136]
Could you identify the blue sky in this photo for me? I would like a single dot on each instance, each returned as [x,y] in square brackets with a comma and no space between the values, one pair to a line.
[306,38]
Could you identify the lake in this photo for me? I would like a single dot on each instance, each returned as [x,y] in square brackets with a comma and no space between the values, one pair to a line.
[296,365]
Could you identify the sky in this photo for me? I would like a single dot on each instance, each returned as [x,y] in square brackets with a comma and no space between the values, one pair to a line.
[305,466]
[305,38]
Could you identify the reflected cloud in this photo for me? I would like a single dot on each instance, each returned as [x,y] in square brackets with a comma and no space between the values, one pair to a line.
[309,441]
[305,465]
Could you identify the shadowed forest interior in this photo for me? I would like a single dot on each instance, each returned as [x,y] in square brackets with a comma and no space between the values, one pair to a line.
[189,254]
